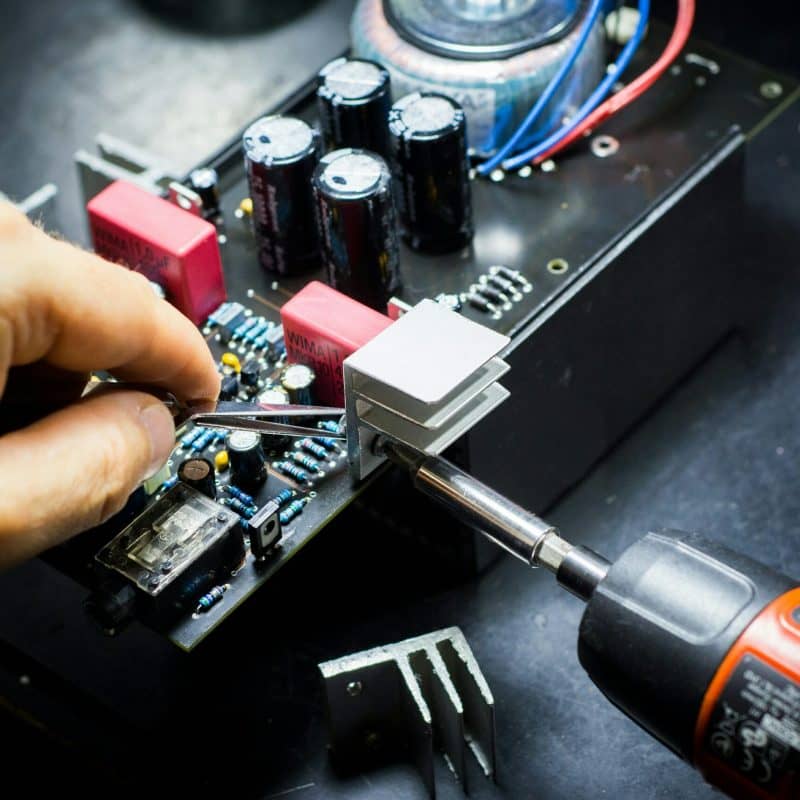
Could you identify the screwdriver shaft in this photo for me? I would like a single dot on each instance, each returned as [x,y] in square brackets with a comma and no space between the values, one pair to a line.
[515,529]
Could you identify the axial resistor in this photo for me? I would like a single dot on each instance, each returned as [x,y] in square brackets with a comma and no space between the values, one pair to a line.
[328,425]
[191,436]
[287,468]
[284,496]
[236,492]
[305,461]
[211,598]
[313,448]
[239,507]
[244,327]
[292,510]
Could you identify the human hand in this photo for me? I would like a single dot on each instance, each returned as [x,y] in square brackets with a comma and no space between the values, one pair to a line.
[64,313]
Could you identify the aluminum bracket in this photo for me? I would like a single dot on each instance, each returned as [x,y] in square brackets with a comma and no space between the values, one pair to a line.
[411,697]
[424,381]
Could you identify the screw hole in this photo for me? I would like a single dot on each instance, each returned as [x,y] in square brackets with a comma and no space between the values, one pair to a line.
[558,266]
[604,146]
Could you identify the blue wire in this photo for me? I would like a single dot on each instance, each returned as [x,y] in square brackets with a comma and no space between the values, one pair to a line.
[596,98]
[556,81]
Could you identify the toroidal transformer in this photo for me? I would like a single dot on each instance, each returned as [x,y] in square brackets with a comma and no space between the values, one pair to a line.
[495,57]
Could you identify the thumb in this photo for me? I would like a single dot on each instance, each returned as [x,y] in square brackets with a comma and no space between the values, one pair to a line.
[76,467]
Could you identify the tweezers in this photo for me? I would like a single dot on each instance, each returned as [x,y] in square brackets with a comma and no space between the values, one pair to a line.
[271,420]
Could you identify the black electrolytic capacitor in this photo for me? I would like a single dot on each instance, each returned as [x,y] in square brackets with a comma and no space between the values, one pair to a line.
[199,474]
[205,181]
[357,220]
[276,396]
[296,381]
[353,102]
[280,154]
[247,459]
[428,146]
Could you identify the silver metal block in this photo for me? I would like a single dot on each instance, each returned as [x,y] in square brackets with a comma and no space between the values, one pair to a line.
[39,204]
[120,160]
[410,697]
[424,381]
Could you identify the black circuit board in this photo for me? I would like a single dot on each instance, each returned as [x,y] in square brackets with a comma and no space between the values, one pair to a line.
[549,225]
[323,495]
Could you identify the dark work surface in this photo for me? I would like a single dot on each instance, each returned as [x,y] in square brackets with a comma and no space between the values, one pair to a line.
[720,455]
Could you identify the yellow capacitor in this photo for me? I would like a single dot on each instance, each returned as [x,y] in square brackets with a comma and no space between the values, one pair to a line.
[221,460]
[246,206]
[232,360]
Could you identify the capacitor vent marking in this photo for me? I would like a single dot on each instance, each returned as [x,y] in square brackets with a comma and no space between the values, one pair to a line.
[429,115]
[273,140]
[353,173]
[353,101]
[352,79]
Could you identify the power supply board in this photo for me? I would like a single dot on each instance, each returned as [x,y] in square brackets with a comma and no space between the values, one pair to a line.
[538,235]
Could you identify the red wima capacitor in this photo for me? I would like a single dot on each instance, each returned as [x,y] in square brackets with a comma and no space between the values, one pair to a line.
[172,247]
[321,327]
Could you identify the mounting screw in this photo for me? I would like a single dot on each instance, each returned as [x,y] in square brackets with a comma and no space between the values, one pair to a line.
[354,688]
[771,90]
[221,517]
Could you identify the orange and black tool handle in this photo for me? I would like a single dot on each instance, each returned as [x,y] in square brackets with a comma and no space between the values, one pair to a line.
[701,646]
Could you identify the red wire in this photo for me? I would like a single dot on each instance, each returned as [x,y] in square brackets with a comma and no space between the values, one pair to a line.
[680,35]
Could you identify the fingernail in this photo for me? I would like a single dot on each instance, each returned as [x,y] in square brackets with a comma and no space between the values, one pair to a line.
[157,420]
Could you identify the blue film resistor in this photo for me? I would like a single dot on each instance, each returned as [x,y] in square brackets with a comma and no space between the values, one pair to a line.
[287,468]
[191,436]
[204,440]
[328,425]
[239,507]
[305,461]
[316,450]
[168,483]
[261,342]
[329,444]
[242,329]
[211,598]
[236,492]
[283,496]
[292,510]
[256,331]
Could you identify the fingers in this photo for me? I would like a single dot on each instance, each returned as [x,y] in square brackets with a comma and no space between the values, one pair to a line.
[81,313]
[75,468]
[36,390]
